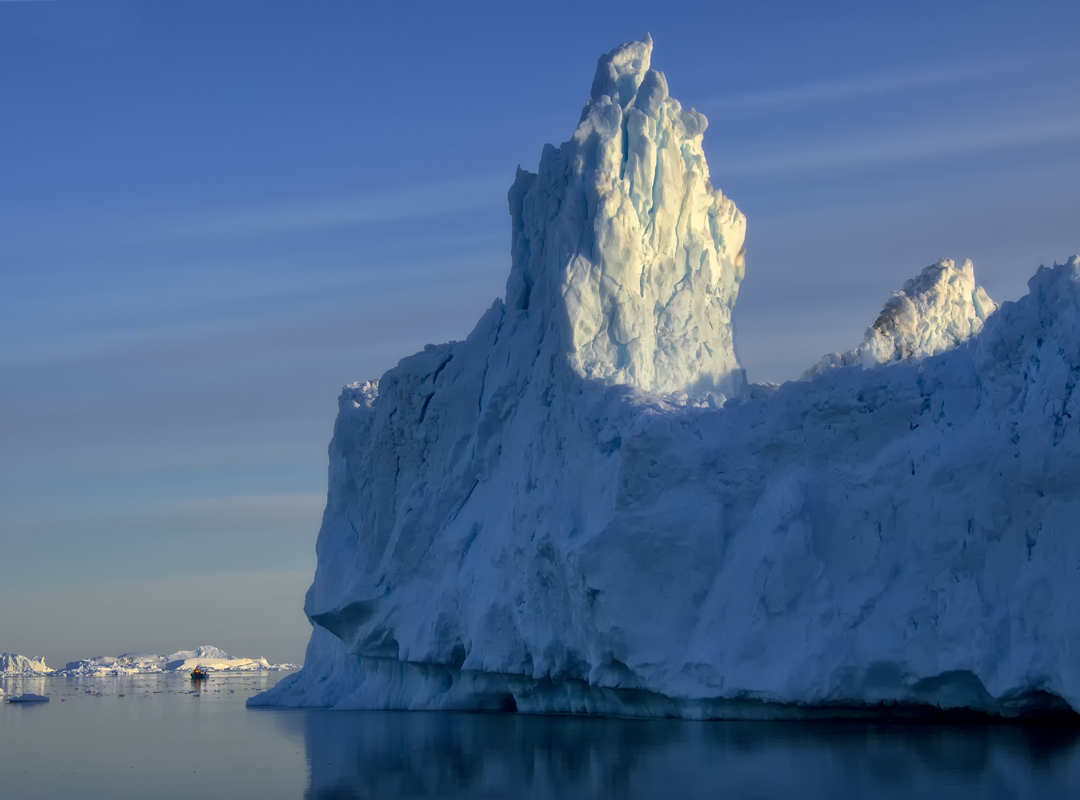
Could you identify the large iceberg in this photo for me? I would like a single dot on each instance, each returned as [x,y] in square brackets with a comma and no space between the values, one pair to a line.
[584,507]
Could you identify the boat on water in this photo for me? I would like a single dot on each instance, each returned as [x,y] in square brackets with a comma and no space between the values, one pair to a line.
[199,674]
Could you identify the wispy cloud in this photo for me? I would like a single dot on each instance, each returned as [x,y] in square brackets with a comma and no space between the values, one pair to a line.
[858,87]
[916,145]
[393,205]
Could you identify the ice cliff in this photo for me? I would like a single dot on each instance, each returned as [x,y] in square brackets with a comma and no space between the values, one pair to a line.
[583,508]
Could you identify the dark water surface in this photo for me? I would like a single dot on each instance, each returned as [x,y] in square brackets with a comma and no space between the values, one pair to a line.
[157,736]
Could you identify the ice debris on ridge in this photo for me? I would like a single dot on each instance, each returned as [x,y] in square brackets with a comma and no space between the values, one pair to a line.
[536,519]
[12,664]
[934,312]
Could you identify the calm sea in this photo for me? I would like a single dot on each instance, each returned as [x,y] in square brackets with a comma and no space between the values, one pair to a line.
[160,737]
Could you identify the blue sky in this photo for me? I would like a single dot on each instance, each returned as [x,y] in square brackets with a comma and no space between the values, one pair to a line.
[215,214]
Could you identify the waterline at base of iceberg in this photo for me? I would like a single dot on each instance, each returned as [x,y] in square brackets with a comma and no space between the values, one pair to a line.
[390,685]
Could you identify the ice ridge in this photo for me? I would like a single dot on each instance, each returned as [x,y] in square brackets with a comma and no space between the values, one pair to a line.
[934,312]
[543,517]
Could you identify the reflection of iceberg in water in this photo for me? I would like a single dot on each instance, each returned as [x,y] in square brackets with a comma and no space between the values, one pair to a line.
[23,684]
[388,754]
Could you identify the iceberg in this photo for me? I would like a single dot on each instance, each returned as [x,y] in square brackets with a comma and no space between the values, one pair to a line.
[205,656]
[28,697]
[216,660]
[584,507]
[12,664]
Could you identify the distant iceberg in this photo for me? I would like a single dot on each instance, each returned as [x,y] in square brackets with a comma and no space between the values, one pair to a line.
[205,656]
[585,508]
[27,697]
[12,664]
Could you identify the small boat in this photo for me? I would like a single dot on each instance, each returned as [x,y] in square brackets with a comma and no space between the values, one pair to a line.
[199,673]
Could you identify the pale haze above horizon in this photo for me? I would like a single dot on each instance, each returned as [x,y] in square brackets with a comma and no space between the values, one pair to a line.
[215,215]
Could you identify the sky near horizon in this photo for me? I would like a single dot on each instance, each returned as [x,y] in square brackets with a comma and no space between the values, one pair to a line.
[215,214]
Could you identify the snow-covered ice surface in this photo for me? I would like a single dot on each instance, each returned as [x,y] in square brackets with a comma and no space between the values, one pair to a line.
[205,656]
[12,664]
[583,508]
[933,313]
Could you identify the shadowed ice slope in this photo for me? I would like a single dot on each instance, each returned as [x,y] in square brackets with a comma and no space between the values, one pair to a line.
[582,507]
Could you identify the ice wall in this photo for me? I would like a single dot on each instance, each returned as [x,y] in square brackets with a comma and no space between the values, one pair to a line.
[539,518]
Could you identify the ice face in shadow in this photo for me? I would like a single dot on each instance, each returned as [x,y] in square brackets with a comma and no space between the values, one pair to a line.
[562,514]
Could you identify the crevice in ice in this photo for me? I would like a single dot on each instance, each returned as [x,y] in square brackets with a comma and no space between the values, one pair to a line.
[441,367]
[424,407]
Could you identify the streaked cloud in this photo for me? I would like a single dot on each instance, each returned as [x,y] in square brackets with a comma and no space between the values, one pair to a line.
[859,87]
[915,145]
[391,205]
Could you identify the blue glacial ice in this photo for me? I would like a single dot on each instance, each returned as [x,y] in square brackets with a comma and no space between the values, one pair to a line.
[585,507]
